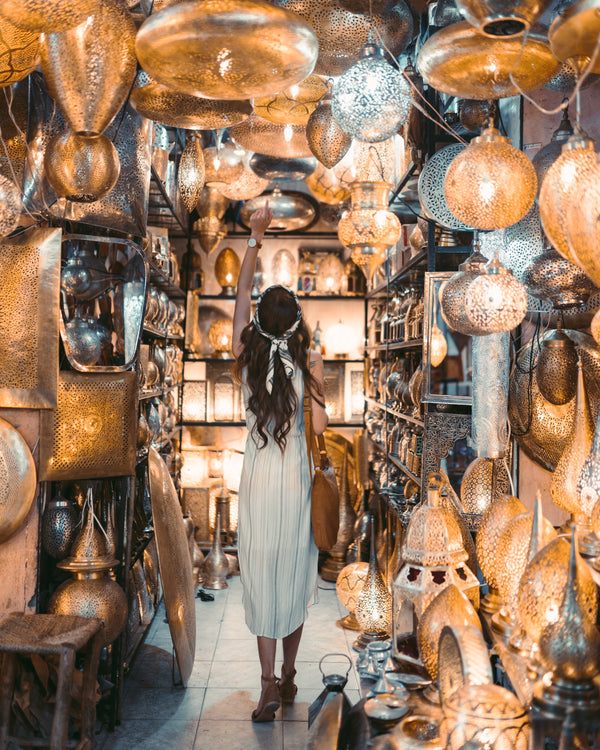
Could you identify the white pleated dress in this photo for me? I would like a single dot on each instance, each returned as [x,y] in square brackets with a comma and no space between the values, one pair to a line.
[277,553]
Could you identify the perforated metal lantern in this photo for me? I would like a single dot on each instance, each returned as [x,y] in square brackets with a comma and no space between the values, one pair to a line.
[583,210]
[271,138]
[452,294]
[19,53]
[294,105]
[556,371]
[46,15]
[292,210]
[10,206]
[326,187]
[549,153]
[495,301]
[222,165]
[551,276]
[277,169]
[371,100]
[559,186]
[431,187]
[498,18]
[326,139]
[191,174]
[248,185]
[588,483]
[484,480]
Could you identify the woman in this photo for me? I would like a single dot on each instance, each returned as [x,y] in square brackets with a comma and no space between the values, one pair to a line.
[277,553]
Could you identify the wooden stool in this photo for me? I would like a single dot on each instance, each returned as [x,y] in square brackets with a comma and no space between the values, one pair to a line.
[61,635]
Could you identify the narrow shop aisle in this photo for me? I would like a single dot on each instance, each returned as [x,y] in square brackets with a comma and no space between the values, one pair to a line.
[213,713]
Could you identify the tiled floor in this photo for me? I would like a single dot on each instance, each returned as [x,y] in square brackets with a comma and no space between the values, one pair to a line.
[213,712]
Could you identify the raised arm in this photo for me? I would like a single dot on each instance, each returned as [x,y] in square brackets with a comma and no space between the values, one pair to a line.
[259,221]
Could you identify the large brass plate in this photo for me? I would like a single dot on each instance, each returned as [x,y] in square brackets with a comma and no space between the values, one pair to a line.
[460,61]
[226,49]
[29,319]
[17,480]
[174,562]
[178,110]
[574,32]
[92,433]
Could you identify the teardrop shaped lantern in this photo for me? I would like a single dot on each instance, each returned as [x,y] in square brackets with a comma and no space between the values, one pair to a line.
[369,229]
[371,100]
[89,69]
[326,139]
[46,15]
[490,184]
[484,481]
[556,369]
[210,226]
[551,276]
[191,173]
[583,227]
[563,487]
[80,168]
[495,301]
[294,105]
[549,153]
[562,181]
[10,206]
[374,604]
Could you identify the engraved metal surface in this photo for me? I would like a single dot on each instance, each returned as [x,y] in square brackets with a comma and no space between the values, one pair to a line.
[498,18]
[293,106]
[460,61]
[180,110]
[205,49]
[431,186]
[91,433]
[489,427]
[19,53]
[271,138]
[462,660]
[17,480]
[276,169]
[90,69]
[328,142]
[248,185]
[175,563]
[551,276]
[29,316]
[47,15]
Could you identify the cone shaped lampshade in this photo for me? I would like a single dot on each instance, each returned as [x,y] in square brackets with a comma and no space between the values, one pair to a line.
[191,174]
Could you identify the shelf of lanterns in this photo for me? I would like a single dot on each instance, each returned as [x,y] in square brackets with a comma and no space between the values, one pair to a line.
[395,346]
[395,412]
[161,334]
[416,263]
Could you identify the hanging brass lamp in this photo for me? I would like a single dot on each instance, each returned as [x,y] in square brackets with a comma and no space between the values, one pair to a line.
[210,226]
[452,293]
[326,187]
[549,153]
[326,139]
[583,228]
[10,206]
[191,173]
[272,138]
[573,34]
[563,487]
[294,105]
[588,483]
[556,370]
[497,18]
[495,301]
[20,50]
[46,15]
[551,276]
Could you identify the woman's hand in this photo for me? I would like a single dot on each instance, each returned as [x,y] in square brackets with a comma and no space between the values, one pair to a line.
[260,220]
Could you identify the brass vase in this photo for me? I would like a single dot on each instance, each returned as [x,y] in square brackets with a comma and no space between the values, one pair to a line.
[216,565]
[337,559]
[556,370]
[59,526]
[566,475]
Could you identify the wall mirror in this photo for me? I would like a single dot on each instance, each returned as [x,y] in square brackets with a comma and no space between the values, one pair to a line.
[103,289]
[447,379]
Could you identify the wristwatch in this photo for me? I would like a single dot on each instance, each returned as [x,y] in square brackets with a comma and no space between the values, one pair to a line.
[254,243]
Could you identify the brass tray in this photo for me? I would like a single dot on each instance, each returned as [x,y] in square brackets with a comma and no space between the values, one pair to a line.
[175,563]
[92,433]
[17,480]
[29,319]
[460,61]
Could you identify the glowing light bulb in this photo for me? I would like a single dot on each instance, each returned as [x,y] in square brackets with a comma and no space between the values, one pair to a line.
[288,133]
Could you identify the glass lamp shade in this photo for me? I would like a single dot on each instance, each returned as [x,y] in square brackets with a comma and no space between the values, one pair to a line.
[330,274]
[514,552]
[81,169]
[222,166]
[438,346]
[563,487]
[499,512]
[371,100]
[562,181]
[349,584]
[340,339]
[452,294]
[583,209]
[490,184]
[294,105]
[46,15]
[549,153]
[556,370]
[551,276]
[326,187]
[484,481]
[484,713]
[19,52]
[220,335]
[542,588]
[369,229]
[10,206]
[588,483]
[284,268]
[191,174]
[450,607]
[495,301]
[328,142]
[227,270]
[245,187]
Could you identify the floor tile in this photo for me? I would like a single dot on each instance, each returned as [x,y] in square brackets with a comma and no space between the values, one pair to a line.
[245,674]
[295,734]
[143,734]
[182,704]
[238,735]
[225,704]
[235,650]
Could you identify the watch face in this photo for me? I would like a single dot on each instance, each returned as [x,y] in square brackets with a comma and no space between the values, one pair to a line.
[251,242]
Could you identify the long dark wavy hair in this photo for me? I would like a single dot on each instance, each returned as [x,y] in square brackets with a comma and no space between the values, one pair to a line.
[277,311]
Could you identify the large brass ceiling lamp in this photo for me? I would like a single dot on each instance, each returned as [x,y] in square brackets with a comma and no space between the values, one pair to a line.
[20,53]
[491,184]
[369,229]
[326,139]
[372,99]
[46,15]
[582,222]
[293,106]
[497,18]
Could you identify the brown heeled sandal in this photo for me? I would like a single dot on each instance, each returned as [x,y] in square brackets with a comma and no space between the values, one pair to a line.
[287,687]
[270,700]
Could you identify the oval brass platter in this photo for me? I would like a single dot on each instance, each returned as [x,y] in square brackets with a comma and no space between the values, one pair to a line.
[174,562]
[227,49]
[17,480]
[460,61]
